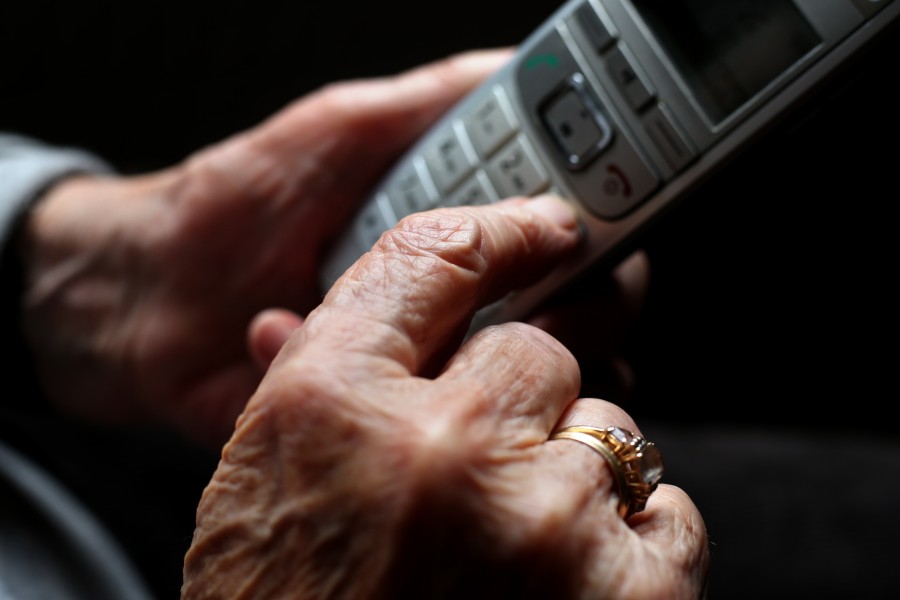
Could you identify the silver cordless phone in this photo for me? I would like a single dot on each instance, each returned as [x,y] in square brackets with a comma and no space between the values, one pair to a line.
[623,107]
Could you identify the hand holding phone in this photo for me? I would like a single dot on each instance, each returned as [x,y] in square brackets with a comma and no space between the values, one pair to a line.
[624,107]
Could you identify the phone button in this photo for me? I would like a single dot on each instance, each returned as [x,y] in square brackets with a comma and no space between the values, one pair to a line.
[490,123]
[450,158]
[543,70]
[574,121]
[516,170]
[629,78]
[474,191]
[617,182]
[410,191]
[674,147]
[601,36]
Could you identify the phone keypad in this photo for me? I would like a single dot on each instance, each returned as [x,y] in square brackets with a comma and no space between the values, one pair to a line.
[477,158]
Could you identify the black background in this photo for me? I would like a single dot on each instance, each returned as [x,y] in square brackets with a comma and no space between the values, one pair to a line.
[772,302]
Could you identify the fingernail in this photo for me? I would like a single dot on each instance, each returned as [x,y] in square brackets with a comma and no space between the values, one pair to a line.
[555,209]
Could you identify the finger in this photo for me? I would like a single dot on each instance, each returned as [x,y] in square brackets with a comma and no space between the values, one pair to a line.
[414,294]
[591,483]
[564,491]
[596,413]
[394,110]
[670,546]
[268,332]
[306,151]
[362,126]
[516,378]
[673,529]
[670,524]
[592,478]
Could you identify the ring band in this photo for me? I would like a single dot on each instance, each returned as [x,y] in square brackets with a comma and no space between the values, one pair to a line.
[635,462]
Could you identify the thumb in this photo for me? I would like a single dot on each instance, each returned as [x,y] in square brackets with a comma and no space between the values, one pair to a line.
[268,332]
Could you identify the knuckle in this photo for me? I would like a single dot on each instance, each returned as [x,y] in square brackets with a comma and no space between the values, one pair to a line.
[453,453]
[444,236]
[535,354]
[338,95]
[448,445]
[528,338]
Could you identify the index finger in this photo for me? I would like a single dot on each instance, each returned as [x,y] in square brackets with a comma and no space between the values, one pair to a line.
[416,291]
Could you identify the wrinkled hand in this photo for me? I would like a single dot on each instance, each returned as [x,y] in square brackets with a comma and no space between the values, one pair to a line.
[139,290]
[381,459]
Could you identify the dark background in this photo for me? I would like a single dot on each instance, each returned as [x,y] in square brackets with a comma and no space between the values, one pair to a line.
[765,361]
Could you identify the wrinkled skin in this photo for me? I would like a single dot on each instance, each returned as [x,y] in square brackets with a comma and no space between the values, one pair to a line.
[380,456]
[140,290]
[355,473]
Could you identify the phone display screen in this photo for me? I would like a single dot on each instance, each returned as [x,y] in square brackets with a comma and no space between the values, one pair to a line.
[727,52]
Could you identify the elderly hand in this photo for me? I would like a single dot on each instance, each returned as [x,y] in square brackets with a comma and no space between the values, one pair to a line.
[382,458]
[140,290]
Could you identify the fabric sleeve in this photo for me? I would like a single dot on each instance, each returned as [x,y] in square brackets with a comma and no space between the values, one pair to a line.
[28,167]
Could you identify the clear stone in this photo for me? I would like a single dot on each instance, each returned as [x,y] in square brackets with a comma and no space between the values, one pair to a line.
[651,465]
[620,434]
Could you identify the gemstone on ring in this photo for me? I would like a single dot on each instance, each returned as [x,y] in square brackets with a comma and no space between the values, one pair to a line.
[636,463]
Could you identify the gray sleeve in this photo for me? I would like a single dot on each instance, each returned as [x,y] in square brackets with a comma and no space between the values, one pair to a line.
[28,167]
[51,545]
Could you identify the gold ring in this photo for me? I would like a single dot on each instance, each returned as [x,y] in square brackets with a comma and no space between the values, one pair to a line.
[635,462]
